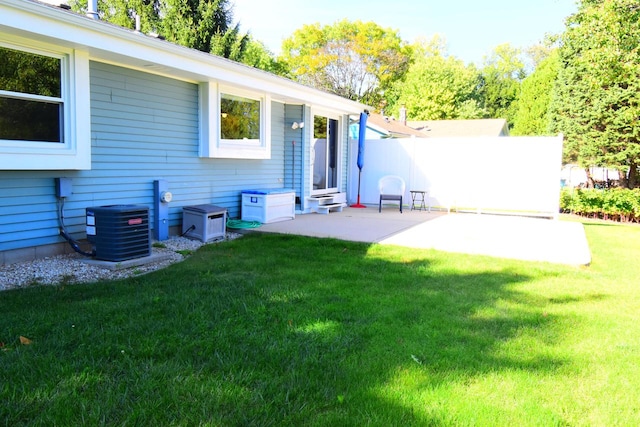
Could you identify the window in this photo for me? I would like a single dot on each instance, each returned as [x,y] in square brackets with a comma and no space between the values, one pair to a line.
[44,107]
[234,123]
[31,105]
[239,118]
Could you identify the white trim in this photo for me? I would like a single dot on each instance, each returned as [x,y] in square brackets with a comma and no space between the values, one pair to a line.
[74,153]
[339,144]
[212,145]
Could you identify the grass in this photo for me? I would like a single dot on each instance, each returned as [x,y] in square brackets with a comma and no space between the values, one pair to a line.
[276,330]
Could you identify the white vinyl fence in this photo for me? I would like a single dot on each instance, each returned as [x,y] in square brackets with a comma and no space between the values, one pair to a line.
[517,175]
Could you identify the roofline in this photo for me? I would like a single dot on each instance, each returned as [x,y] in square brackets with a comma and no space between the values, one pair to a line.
[99,37]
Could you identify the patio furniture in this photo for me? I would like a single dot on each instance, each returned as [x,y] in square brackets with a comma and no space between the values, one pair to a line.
[391,187]
[419,196]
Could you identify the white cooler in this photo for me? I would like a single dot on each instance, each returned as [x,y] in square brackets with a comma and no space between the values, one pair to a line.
[268,205]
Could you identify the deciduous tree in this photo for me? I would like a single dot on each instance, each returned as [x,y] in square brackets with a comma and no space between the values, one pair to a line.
[502,73]
[437,86]
[357,60]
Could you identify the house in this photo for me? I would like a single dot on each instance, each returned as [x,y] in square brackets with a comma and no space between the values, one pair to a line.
[461,128]
[382,127]
[115,112]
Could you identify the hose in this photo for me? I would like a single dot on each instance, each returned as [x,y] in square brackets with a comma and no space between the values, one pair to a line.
[240,224]
[75,246]
[193,227]
[63,232]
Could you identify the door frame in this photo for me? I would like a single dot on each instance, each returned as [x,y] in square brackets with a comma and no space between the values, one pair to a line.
[338,150]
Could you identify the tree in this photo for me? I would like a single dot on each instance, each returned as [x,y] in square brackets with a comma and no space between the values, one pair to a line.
[597,94]
[258,56]
[532,113]
[437,86]
[357,60]
[502,73]
[204,25]
[537,53]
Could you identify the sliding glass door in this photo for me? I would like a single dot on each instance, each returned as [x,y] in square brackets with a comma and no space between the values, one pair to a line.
[324,155]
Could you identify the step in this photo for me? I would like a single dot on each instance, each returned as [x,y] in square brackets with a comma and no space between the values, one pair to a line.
[325,209]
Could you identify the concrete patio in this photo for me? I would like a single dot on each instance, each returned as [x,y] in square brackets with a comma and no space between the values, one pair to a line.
[525,238]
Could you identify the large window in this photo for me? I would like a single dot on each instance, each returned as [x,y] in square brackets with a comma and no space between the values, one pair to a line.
[45,121]
[234,123]
[31,104]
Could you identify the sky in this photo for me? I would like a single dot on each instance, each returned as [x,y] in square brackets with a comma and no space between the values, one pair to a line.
[472,28]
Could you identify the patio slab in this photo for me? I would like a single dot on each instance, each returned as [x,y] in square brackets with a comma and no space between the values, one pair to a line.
[525,238]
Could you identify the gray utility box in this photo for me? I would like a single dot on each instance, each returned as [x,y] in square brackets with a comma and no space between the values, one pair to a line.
[119,232]
[204,222]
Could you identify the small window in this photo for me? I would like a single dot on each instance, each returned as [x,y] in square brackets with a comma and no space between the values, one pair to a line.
[31,105]
[239,118]
[234,123]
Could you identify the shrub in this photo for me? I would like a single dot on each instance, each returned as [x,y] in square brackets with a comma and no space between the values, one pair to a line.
[618,204]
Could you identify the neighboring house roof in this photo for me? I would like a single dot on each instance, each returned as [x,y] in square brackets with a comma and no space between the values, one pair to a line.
[117,45]
[461,128]
[391,128]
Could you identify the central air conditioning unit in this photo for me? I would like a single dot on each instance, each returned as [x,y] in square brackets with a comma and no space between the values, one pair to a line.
[119,232]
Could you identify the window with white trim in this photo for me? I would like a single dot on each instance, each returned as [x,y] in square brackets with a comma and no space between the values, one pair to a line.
[30,97]
[44,107]
[235,123]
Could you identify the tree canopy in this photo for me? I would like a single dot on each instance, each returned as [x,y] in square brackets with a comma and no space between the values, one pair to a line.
[357,60]
[532,110]
[597,94]
[502,73]
[204,25]
[437,86]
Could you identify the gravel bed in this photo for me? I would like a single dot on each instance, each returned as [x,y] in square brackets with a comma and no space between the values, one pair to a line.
[70,268]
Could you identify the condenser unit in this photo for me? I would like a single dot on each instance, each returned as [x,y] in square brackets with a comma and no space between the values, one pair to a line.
[119,232]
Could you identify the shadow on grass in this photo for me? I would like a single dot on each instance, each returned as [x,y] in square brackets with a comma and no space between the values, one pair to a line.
[269,330]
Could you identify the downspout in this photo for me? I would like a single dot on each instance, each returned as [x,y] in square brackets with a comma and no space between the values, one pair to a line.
[304,141]
[92,9]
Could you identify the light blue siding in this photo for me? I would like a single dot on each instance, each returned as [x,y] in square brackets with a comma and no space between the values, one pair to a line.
[143,127]
[294,164]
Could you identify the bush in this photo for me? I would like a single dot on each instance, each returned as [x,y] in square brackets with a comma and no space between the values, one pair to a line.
[617,204]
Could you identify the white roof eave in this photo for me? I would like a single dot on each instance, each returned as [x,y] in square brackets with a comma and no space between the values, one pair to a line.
[110,43]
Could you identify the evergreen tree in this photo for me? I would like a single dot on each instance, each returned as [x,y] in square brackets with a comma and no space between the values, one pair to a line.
[532,115]
[205,25]
[597,95]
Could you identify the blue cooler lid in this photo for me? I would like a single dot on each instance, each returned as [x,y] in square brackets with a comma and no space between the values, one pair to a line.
[268,191]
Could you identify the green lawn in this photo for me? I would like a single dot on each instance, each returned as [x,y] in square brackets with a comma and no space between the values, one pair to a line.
[285,330]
